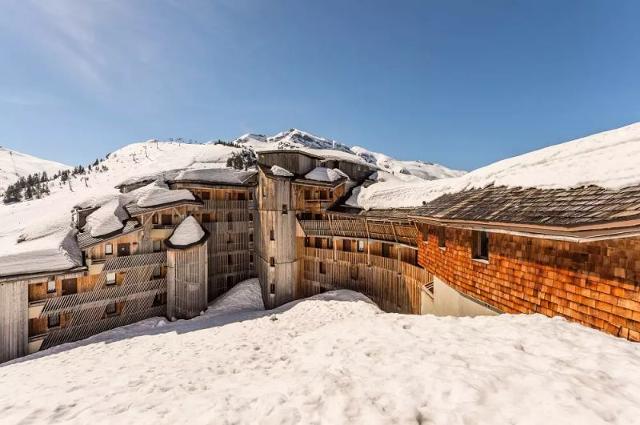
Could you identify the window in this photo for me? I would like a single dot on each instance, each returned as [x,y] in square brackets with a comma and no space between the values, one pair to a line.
[111,278]
[251,196]
[284,209]
[442,237]
[110,310]
[250,217]
[250,237]
[360,246]
[53,321]
[229,260]
[157,246]
[206,218]
[108,249]
[330,243]
[157,272]
[318,243]
[206,196]
[323,195]
[354,272]
[250,258]
[154,219]
[386,250]
[51,286]
[331,194]
[69,286]
[346,245]
[307,194]
[159,299]
[167,220]
[272,289]
[272,236]
[241,196]
[322,268]
[480,245]
[230,217]
[272,262]
[307,241]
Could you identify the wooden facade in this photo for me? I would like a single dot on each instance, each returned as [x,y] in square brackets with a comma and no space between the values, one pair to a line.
[14,329]
[187,282]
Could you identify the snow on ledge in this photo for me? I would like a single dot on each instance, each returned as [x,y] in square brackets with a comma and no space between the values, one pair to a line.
[279,171]
[324,174]
[107,219]
[160,194]
[187,233]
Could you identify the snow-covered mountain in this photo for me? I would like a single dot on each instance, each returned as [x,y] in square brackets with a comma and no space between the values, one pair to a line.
[14,165]
[298,139]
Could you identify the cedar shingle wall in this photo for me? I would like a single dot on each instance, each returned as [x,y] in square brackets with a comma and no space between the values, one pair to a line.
[594,283]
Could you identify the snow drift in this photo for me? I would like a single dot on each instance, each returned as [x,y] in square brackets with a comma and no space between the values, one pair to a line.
[332,359]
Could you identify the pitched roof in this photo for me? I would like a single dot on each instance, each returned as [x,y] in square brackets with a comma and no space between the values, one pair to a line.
[213,176]
[85,239]
[566,208]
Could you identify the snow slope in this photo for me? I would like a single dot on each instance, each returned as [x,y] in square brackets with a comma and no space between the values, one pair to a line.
[14,165]
[298,139]
[331,359]
[609,159]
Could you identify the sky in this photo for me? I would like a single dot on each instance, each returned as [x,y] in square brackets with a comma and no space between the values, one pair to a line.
[462,83]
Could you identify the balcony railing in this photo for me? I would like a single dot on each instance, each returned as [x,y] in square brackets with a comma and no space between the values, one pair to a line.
[212,204]
[136,260]
[104,296]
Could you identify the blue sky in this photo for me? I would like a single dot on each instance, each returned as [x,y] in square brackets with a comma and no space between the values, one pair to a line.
[463,83]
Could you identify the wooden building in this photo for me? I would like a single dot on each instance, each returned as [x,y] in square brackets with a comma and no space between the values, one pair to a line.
[573,253]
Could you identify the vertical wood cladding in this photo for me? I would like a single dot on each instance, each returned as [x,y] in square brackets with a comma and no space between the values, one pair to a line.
[594,283]
[13,320]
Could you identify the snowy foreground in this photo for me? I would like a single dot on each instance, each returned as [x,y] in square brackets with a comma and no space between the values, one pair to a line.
[330,359]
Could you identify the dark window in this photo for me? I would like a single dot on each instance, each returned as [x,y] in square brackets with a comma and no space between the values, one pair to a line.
[272,262]
[111,309]
[250,237]
[229,217]
[206,196]
[241,196]
[318,216]
[251,258]
[307,241]
[250,217]
[346,245]
[251,196]
[330,243]
[272,236]
[154,219]
[307,216]
[53,321]
[442,237]
[307,194]
[323,194]
[284,209]
[206,218]
[159,299]
[272,289]
[331,194]
[480,245]
[229,260]
[322,267]
[386,250]
[318,243]
[123,249]
[167,220]
[69,286]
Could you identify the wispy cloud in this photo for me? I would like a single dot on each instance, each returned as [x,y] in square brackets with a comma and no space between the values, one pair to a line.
[94,42]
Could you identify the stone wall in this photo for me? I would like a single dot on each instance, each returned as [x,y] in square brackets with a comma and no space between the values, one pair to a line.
[595,283]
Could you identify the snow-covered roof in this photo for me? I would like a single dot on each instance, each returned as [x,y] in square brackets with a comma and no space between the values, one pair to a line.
[107,219]
[215,175]
[279,171]
[160,194]
[188,233]
[324,174]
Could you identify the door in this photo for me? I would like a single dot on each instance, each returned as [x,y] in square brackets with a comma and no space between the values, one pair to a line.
[123,249]
[69,286]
